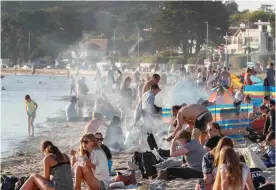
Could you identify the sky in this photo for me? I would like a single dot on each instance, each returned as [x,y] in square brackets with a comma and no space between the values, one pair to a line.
[253,4]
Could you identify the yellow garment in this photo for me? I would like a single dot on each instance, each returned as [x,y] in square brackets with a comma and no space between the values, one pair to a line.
[31,106]
[235,81]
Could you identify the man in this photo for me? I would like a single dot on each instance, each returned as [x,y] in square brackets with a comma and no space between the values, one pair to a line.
[93,125]
[99,137]
[272,116]
[136,76]
[148,100]
[266,100]
[154,80]
[196,116]
[270,75]
[82,89]
[214,135]
[73,86]
[226,77]
[71,112]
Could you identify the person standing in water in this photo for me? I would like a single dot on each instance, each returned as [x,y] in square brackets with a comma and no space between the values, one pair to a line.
[73,86]
[31,107]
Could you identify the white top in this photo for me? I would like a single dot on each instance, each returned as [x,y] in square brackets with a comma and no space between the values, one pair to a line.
[239,96]
[101,172]
[245,173]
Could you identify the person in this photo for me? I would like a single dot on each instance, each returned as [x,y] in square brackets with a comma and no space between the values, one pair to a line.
[193,153]
[104,107]
[209,166]
[93,125]
[73,86]
[270,75]
[99,137]
[196,116]
[211,79]
[136,76]
[110,80]
[114,137]
[57,171]
[239,95]
[219,99]
[247,79]
[82,89]
[226,77]
[270,120]
[199,77]
[3,88]
[71,112]
[119,80]
[31,107]
[268,155]
[173,122]
[126,99]
[266,100]
[214,134]
[94,171]
[98,79]
[231,173]
[154,80]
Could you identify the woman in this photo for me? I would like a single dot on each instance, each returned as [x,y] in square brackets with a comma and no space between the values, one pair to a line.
[56,165]
[31,107]
[193,153]
[208,163]
[232,174]
[119,80]
[126,101]
[94,172]
[268,156]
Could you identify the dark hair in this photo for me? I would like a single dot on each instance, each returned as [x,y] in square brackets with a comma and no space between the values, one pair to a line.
[247,97]
[183,134]
[271,64]
[262,107]
[49,147]
[266,98]
[272,102]
[97,115]
[154,87]
[73,99]
[156,76]
[176,107]
[27,97]
[116,120]
[98,133]
[270,136]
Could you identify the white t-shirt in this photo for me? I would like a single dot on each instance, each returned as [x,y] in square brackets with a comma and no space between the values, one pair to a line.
[239,96]
[101,172]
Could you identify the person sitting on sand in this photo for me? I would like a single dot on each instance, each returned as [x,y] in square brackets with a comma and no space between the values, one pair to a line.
[208,167]
[93,125]
[268,156]
[196,116]
[3,88]
[31,107]
[214,135]
[56,165]
[105,108]
[114,137]
[71,112]
[193,153]
[154,80]
[106,150]
[94,173]
[231,173]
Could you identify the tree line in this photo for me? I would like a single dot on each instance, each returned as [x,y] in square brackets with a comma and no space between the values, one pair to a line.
[35,29]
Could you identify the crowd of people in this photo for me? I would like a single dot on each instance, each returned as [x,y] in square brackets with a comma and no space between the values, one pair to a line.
[208,155]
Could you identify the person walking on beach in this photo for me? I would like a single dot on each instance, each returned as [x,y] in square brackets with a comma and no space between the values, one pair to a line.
[154,80]
[226,77]
[31,107]
[73,86]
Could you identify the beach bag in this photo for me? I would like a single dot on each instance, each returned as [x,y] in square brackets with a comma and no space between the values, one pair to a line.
[146,166]
[251,159]
[8,183]
[20,182]
[128,178]
[257,177]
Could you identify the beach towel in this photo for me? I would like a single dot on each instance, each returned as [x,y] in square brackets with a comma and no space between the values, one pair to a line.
[251,158]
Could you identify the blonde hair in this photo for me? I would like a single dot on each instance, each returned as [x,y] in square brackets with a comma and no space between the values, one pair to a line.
[93,139]
[230,158]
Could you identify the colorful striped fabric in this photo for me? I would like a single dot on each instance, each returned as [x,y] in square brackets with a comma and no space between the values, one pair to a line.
[257,93]
[232,125]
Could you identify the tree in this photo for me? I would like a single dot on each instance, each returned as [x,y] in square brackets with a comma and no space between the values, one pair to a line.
[232,7]
[266,8]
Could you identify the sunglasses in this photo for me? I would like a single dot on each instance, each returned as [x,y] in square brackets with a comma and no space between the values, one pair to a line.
[100,139]
[84,142]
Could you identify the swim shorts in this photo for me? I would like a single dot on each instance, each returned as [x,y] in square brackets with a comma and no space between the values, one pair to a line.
[202,120]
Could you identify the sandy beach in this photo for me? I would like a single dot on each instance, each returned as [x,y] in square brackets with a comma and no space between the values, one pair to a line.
[27,158]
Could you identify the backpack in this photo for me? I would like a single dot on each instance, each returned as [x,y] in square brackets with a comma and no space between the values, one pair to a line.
[20,182]
[8,183]
[146,165]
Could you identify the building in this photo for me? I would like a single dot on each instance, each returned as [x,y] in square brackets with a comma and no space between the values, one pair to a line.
[254,39]
[94,49]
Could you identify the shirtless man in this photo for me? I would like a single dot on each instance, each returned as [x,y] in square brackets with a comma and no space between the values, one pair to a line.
[196,116]
[93,125]
[154,80]
[226,77]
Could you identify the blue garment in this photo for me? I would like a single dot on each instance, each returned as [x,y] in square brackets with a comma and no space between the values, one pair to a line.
[148,100]
[71,111]
[269,157]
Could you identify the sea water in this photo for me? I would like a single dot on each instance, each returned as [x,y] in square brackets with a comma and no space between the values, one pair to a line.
[47,91]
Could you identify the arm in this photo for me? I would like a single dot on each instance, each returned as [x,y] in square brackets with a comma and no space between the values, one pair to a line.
[249,182]
[179,152]
[87,127]
[180,122]
[46,167]
[36,106]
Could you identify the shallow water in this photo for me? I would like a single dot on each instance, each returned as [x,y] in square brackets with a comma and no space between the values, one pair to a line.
[48,97]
